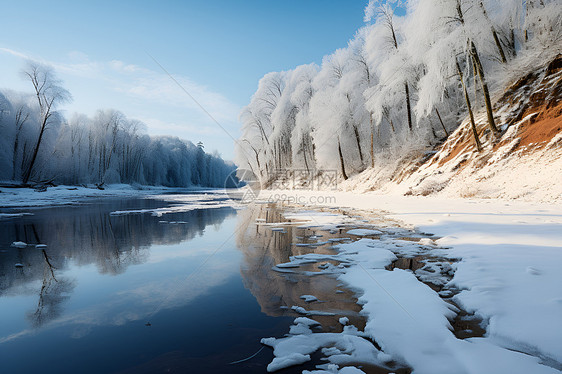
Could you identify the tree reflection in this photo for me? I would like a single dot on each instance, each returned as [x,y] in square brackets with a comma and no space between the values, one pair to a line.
[53,291]
[263,248]
[82,236]
[51,296]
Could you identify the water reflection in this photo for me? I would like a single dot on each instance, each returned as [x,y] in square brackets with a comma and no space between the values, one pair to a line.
[100,278]
[276,293]
[82,236]
[51,296]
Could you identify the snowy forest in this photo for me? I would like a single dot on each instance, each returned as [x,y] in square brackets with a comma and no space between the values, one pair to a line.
[406,80]
[40,146]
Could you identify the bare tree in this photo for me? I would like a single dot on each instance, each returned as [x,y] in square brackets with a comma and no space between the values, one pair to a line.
[49,95]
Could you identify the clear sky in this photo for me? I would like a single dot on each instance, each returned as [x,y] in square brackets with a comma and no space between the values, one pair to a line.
[217,50]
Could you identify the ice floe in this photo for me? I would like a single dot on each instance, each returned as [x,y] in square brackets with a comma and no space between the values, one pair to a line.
[364,232]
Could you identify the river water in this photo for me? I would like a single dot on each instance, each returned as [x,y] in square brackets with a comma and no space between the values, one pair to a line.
[181,291]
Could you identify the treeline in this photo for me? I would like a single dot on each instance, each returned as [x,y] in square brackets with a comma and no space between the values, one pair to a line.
[403,83]
[39,145]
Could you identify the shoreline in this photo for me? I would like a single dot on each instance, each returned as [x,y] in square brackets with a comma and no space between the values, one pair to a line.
[70,195]
[506,273]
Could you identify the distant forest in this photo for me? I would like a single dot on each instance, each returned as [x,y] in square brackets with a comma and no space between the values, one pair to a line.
[39,145]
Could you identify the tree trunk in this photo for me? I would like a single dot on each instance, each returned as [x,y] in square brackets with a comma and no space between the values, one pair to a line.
[480,71]
[15,157]
[494,34]
[408,108]
[304,144]
[27,174]
[341,160]
[358,140]
[467,99]
[441,121]
[499,45]
[512,43]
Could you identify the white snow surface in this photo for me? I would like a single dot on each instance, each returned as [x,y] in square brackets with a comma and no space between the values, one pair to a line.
[510,253]
[364,232]
[309,298]
[66,195]
[347,347]
[14,215]
[182,203]
[184,200]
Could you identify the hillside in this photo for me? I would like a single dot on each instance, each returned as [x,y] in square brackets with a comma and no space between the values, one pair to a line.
[523,162]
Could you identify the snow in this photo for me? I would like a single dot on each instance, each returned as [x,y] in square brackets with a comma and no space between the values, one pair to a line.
[309,298]
[424,340]
[348,347]
[67,195]
[19,244]
[306,321]
[287,361]
[301,310]
[183,203]
[322,220]
[14,215]
[507,274]
[364,232]
[333,369]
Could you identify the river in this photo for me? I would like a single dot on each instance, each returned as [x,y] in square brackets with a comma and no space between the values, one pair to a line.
[149,285]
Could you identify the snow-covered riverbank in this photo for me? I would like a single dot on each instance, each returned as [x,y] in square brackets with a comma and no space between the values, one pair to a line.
[68,195]
[510,253]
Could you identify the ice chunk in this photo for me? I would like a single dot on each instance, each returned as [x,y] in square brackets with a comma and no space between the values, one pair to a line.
[292,359]
[301,310]
[300,329]
[427,241]
[364,232]
[306,321]
[309,298]
[346,348]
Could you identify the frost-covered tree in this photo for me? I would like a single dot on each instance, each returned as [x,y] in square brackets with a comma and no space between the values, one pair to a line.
[301,139]
[107,148]
[49,93]
[408,78]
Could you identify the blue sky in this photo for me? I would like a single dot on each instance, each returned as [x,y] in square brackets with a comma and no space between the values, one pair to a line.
[218,50]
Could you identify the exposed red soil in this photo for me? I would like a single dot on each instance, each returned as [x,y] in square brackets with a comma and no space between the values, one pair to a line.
[536,96]
[541,131]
